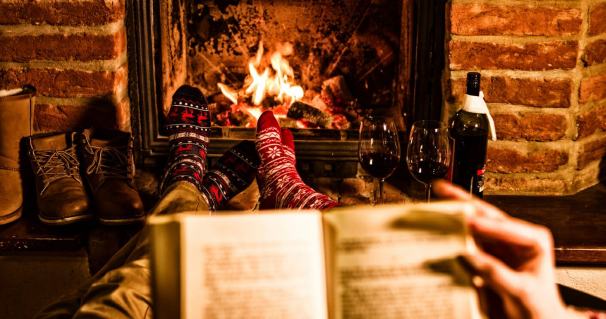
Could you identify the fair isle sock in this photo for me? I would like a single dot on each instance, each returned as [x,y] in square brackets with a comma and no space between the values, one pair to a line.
[234,171]
[279,182]
[187,124]
[288,141]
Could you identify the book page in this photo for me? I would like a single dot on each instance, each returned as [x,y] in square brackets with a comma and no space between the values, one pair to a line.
[398,261]
[254,266]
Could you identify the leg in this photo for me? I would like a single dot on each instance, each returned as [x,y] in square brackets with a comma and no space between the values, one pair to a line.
[279,182]
[121,289]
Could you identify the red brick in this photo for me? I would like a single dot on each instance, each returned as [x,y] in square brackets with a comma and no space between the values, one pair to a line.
[525,184]
[530,56]
[513,160]
[50,117]
[595,53]
[531,92]
[597,19]
[593,89]
[66,83]
[532,126]
[72,13]
[590,121]
[591,151]
[81,47]
[519,20]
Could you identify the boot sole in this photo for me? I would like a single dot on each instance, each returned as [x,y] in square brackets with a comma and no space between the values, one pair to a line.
[122,221]
[11,217]
[65,221]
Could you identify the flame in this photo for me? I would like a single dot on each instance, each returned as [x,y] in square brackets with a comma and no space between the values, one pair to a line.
[275,80]
[229,93]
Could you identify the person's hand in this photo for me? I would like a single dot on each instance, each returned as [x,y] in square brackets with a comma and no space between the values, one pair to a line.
[516,259]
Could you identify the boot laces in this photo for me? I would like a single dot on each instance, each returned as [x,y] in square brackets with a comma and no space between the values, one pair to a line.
[108,161]
[54,165]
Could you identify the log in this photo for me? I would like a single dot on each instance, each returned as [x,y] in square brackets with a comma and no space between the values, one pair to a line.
[303,111]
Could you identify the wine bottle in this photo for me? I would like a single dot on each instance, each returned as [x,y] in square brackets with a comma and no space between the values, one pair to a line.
[469,129]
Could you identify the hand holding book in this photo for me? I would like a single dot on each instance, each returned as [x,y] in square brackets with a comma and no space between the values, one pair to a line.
[516,258]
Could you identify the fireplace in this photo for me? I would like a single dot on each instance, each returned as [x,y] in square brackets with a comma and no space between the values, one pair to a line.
[348,58]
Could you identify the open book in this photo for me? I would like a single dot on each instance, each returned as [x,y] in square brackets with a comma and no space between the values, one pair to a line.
[392,261]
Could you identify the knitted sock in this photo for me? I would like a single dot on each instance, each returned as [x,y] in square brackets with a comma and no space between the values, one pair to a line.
[234,171]
[187,124]
[279,183]
[289,145]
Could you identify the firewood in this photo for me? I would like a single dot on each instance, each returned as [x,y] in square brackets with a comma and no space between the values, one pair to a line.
[302,111]
[335,92]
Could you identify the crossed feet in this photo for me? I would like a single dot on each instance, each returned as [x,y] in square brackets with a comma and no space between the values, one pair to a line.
[271,159]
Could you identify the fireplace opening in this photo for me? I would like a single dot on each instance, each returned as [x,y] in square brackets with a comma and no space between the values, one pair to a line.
[316,64]
[319,65]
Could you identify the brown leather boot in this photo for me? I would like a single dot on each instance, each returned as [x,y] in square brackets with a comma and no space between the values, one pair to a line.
[16,110]
[109,168]
[61,195]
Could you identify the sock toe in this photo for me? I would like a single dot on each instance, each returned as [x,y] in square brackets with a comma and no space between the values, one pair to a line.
[232,173]
[189,110]
[266,121]
[288,139]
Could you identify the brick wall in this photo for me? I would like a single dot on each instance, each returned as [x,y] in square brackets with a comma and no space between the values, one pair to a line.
[544,78]
[74,53]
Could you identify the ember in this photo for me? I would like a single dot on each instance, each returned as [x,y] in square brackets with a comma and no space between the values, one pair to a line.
[270,85]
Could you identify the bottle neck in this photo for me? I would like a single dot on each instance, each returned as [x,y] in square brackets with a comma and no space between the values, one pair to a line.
[476,104]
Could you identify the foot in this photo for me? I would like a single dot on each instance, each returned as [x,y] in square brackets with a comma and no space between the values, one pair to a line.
[188,126]
[279,182]
[234,171]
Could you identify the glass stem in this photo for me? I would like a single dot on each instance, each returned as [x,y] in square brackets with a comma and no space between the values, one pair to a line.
[428,192]
[381,199]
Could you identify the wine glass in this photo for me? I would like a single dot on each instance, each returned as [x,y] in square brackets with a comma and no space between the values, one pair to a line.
[428,152]
[379,148]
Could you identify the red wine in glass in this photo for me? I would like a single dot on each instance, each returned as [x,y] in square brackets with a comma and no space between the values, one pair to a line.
[379,148]
[427,171]
[378,164]
[428,152]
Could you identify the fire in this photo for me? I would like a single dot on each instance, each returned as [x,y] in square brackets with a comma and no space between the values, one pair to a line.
[274,80]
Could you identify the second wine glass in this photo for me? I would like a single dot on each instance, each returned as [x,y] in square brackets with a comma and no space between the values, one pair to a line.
[428,152]
[379,149]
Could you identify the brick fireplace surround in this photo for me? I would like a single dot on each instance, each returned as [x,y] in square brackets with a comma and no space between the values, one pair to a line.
[543,65]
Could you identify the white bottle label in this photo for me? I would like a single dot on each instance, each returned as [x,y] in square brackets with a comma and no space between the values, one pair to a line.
[476,104]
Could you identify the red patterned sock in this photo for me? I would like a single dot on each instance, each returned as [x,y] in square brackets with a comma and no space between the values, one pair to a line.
[187,124]
[289,145]
[234,171]
[279,183]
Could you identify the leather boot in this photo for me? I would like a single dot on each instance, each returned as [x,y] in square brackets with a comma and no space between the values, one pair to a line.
[16,113]
[61,195]
[109,168]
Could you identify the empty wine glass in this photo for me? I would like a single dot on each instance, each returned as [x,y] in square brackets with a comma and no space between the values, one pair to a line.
[428,152]
[379,148]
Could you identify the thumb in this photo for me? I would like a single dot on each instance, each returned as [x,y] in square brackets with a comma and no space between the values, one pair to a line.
[494,272]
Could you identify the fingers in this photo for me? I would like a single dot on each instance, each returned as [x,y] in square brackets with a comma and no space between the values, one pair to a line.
[513,232]
[494,272]
[447,190]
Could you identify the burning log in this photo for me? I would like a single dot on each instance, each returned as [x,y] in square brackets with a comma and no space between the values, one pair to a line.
[302,111]
[287,122]
[335,93]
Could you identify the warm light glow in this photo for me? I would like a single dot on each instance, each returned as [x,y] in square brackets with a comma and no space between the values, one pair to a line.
[275,80]
[229,93]
[255,112]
